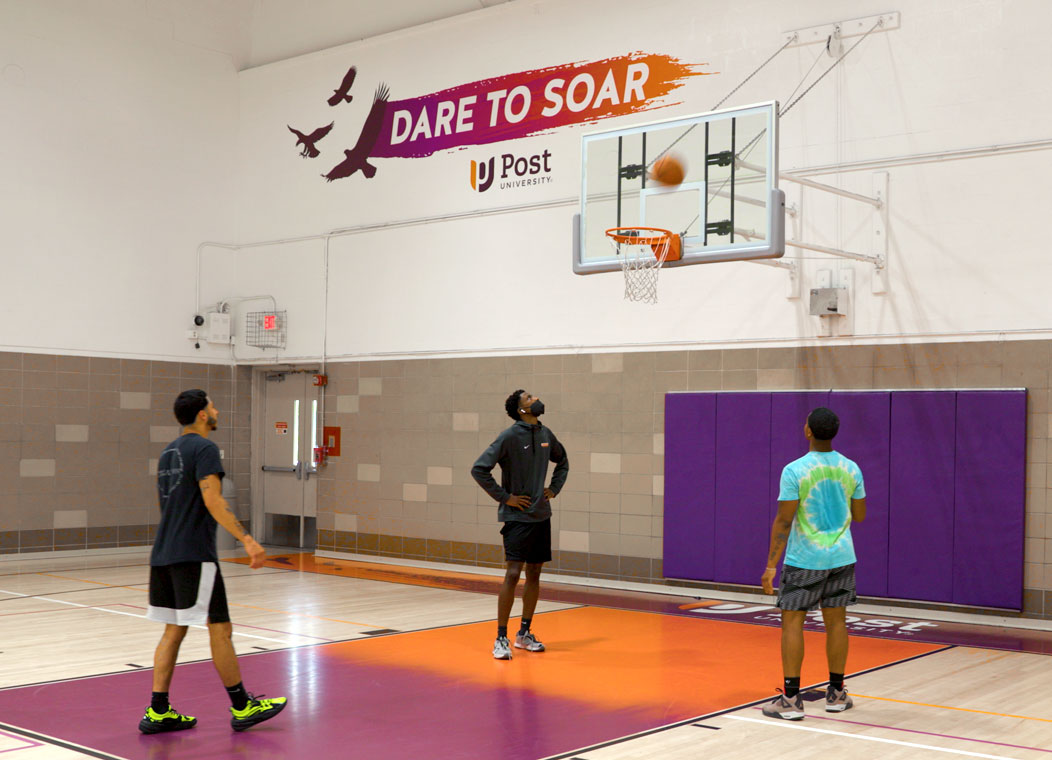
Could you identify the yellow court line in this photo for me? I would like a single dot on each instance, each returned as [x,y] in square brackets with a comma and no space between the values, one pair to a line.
[82,580]
[232,604]
[947,707]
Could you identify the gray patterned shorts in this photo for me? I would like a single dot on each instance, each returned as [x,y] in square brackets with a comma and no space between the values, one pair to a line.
[802,589]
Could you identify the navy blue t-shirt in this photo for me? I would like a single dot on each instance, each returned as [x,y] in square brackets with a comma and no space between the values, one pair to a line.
[187,532]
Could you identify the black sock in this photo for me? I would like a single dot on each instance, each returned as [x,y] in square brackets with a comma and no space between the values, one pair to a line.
[159,701]
[525,627]
[238,696]
[502,631]
[792,687]
[836,681]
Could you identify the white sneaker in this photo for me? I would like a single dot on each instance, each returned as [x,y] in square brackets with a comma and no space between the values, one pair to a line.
[528,642]
[502,648]
[837,701]
[786,708]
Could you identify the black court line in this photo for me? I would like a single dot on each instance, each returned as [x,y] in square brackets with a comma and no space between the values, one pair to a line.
[99,567]
[58,742]
[107,586]
[755,703]
[71,591]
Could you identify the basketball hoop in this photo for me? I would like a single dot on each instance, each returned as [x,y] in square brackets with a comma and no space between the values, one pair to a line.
[642,251]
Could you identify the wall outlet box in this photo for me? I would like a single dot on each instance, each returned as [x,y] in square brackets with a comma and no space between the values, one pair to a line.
[217,327]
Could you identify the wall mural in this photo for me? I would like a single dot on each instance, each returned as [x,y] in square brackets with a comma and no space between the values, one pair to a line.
[501,108]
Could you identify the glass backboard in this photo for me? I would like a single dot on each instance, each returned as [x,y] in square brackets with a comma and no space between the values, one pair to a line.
[728,206]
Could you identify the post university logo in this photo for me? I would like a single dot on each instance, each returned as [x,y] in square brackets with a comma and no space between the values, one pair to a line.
[481,175]
[515,171]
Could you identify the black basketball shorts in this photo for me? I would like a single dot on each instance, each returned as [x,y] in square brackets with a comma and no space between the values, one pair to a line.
[187,593]
[802,589]
[529,542]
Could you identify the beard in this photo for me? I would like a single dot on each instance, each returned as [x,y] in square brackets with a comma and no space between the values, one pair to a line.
[212,423]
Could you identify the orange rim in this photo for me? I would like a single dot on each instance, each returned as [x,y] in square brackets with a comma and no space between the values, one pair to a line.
[624,235]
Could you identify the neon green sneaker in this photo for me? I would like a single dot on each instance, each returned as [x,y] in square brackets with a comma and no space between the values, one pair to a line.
[256,711]
[155,723]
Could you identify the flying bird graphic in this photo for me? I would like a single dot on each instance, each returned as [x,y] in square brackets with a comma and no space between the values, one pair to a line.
[357,157]
[340,95]
[307,141]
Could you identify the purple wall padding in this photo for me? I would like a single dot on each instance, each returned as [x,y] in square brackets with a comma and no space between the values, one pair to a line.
[920,535]
[690,485]
[743,443]
[865,427]
[945,487]
[989,498]
[788,414]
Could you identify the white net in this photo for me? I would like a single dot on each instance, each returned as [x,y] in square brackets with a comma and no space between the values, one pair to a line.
[642,253]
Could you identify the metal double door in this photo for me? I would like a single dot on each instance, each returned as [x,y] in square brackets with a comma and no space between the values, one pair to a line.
[291,431]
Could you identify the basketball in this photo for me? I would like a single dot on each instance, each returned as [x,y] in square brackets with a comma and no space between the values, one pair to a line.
[668,170]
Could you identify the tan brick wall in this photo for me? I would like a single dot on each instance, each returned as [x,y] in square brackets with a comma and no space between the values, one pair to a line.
[608,409]
[79,441]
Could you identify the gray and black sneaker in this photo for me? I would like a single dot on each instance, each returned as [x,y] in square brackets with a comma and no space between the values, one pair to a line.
[502,648]
[528,642]
[786,708]
[837,701]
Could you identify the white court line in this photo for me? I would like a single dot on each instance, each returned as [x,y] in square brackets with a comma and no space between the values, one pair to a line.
[143,617]
[868,738]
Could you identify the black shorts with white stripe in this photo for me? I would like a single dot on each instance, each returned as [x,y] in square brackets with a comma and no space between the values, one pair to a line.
[187,593]
[803,589]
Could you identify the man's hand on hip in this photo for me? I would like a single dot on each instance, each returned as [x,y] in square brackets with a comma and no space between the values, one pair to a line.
[518,502]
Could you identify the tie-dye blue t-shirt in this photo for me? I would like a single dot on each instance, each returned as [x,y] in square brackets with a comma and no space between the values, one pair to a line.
[824,482]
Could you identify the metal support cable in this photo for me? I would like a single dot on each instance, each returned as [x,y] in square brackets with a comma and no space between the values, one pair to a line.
[784,111]
[788,42]
[741,84]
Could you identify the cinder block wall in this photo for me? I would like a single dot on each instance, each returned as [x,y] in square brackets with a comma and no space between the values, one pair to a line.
[80,439]
[413,428]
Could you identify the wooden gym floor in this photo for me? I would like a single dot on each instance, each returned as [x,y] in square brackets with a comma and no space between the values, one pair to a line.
[389,662]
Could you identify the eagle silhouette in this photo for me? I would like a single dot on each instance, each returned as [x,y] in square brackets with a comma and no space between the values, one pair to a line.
[357,157]
[307,141]
[340,95]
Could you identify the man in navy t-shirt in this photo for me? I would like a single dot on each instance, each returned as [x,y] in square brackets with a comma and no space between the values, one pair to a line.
[186,587]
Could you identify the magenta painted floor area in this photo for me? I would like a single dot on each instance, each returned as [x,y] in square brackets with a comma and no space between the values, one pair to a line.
[337,709]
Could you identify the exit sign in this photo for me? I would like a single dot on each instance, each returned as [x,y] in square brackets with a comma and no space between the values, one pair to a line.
[270,321]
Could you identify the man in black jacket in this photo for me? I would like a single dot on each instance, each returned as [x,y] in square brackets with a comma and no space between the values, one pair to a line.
[523,452]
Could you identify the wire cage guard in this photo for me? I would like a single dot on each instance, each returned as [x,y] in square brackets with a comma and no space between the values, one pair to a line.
[265,329]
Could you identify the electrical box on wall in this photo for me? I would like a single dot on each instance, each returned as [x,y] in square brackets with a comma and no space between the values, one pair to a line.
[217,327]
[828,302]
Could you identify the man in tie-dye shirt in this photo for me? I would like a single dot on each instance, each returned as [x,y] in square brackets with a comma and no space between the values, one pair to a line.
[820,494]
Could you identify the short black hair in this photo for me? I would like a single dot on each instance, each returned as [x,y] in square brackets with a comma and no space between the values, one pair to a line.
[188,404]
[511,405]
[824,424]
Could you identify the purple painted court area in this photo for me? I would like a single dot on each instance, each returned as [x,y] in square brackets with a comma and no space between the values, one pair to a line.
[337,709]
